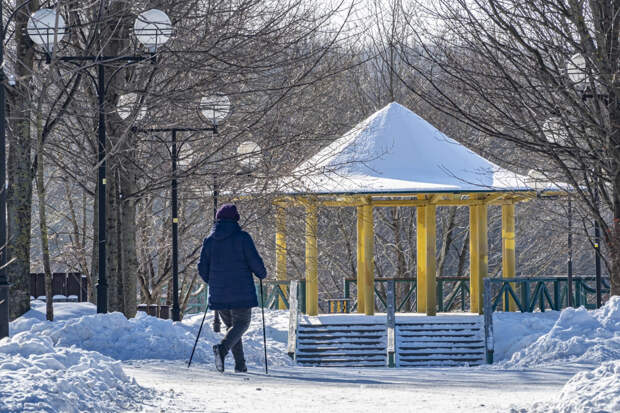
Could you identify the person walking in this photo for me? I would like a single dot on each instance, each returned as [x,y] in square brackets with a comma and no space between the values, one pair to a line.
[227,261]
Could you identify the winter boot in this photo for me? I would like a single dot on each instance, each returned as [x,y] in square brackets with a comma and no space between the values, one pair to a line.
[240,367]
[219,357]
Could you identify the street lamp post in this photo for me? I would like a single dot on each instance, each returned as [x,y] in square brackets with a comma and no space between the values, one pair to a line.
[152,28]
[554,133]
[4,282]
[570,254]
[577,73]
[215,109]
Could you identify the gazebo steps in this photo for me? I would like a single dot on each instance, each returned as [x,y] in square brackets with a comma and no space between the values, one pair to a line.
[423,341]
[341,345]
[437,343]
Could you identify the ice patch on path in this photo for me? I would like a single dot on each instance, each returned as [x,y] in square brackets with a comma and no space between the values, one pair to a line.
[596,391]
[35,376]
[578,336]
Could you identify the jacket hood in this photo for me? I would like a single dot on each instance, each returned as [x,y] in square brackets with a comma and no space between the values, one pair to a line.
[224,228]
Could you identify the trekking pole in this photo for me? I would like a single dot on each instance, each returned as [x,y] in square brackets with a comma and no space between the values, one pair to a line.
[198,336]
[262,309]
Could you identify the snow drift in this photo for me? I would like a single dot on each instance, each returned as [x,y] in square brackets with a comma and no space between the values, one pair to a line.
[592,391]
[578,336]
[35,376]
[596,391]
[515,331]
[145,337]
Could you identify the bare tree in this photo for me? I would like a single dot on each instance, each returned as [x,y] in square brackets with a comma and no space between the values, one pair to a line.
[537,76]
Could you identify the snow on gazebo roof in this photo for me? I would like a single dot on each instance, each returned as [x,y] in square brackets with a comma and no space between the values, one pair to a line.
[396,151]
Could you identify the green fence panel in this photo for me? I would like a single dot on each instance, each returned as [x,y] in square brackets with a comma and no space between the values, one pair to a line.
[544,292]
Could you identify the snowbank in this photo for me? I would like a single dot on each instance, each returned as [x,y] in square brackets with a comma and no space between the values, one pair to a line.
[70,364]
[578,336]
[515,331]
[62,311]
[35,376]
[145,337]
[595,391]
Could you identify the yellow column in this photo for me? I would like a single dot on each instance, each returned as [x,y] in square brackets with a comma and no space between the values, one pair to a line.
[421,258]
[478,253]
[281,249]
[368,251]
[361,279]
[312,274]
[426,251]
[508,248]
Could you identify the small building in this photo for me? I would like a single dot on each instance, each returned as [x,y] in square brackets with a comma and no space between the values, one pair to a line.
[396,158]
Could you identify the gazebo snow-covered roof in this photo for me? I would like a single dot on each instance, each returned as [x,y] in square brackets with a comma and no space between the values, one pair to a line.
[395,158]
[396,151]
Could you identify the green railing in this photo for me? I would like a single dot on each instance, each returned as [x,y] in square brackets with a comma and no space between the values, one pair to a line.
[197,303]
[529,294]
[274,291]
[452,293]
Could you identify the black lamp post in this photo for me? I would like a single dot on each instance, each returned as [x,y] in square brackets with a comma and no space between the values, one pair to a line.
[577,73]
[215,109]
[569,268]
[152,28]
[4,282]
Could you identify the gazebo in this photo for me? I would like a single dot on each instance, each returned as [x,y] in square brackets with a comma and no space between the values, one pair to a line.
[396,158]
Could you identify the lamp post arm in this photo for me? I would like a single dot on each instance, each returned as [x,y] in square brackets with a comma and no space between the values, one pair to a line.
[208,129]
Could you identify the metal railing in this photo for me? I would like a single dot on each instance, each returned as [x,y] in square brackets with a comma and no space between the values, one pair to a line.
[527,293]
[452,293]
[278,291]
[541,293]
[197,303]
[273,291]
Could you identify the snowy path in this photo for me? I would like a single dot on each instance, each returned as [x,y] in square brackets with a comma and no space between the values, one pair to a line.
[297,389]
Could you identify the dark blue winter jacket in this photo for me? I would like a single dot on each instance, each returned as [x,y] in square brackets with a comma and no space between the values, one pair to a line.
[227,261]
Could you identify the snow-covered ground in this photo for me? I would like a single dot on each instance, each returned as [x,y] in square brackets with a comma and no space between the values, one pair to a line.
[552,361]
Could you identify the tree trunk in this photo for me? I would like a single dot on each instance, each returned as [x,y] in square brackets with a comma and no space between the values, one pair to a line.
[94,263]
[128,243]
[446,240]
[79,242]
[45,251]
[614,252]
[19,174]
[112,247]
[398,243]
[401,289]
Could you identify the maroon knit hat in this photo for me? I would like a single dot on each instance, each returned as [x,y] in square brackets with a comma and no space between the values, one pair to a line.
[227,211]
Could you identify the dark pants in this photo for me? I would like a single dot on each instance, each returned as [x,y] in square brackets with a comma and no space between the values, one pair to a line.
[237,322]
